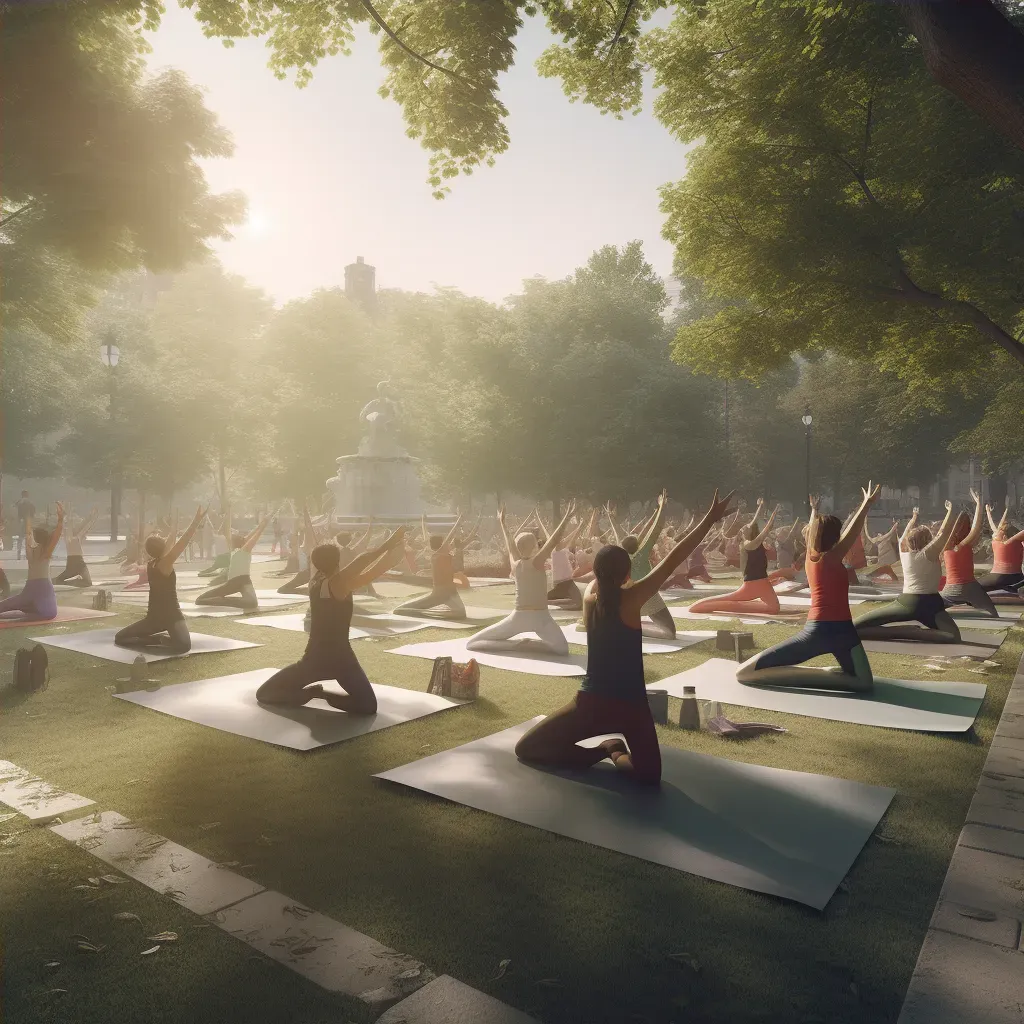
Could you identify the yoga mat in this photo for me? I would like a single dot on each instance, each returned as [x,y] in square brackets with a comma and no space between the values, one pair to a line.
[575,635]
[191,610]
[789,834]
[229,703]
[387,624]
[293,623]
[29,795]
[266,598]
[99,643]
[894,703]
[530,661]
[976,644]
[64,614]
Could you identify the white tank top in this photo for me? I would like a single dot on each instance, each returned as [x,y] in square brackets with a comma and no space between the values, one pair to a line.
[561,565]
[921,574]
[531,587]
[239,563]
[220,545]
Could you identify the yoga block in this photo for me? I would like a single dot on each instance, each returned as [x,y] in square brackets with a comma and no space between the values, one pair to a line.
[742,641]
[657,701]
[723,640]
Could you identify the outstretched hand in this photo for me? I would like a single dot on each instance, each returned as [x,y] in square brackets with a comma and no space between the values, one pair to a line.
[871,493]
[974,497]
[501,515]
[948,503]
[813,500]
[719,507]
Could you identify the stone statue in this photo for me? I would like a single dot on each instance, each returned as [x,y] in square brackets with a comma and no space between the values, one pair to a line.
[380,418]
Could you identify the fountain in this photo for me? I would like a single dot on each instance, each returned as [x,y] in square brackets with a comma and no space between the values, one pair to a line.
[382,480]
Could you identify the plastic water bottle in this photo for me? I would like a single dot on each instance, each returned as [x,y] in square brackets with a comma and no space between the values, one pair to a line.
[689,712]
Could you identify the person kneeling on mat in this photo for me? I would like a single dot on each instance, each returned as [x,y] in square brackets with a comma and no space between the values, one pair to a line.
[961,586]
[1007,556]
[613,695]
[163,626]
[564,593]
[76,573]
[531,613]
[638,547]
[37,599]
[756,595]
[239,581]
[829,628]
[889,552]
[920,555]
[444,593]
[329,653]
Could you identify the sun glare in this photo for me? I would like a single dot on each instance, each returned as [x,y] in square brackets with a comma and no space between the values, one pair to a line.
[257,223]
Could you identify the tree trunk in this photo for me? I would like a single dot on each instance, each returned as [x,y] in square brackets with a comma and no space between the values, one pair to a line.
[998,488]
[975,52]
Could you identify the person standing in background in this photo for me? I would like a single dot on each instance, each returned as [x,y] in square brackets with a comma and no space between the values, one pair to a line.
[25,512]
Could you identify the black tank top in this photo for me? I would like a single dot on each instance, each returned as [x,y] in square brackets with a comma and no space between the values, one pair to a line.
[615,659]
[329,621]
[163,594]
[755,566]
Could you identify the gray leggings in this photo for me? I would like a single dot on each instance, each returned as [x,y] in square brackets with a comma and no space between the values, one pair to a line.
[969,593]
[236,593]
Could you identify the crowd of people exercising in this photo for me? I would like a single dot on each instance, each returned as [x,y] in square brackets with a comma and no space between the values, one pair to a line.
[613,572]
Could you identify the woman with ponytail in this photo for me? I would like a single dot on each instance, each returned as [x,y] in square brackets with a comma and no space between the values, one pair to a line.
[613,695]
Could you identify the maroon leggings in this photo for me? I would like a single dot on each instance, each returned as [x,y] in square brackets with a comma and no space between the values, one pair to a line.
[553,742]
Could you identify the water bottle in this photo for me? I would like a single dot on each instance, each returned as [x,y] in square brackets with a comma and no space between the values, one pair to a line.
[689,712]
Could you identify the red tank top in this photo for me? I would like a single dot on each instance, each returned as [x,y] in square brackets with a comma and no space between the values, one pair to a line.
[1007,557]
[959,565]
[855,557]
[830,590]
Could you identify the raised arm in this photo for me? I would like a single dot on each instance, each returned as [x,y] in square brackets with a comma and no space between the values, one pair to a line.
[812,519]
[171,556]
[753,545]
[365,568]
[646,588]
[991,522]
[542,556]
[310,538]
[849,536]
[972,537]
[87,525]
[656,523]
[225,525]
[445,544]
[910,526]
[611,521]
[793,528]
[937,544]
[504,532]
[51,544]
[257,532]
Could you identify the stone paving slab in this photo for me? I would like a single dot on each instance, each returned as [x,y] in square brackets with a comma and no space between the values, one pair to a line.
[448,1001]
[329,954]
[31,796]
[971,966]
[961,981]
[198,884]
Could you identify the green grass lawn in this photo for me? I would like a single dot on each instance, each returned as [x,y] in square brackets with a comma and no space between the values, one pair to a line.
[588,932]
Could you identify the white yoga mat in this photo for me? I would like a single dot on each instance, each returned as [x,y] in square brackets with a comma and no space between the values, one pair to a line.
[229,703]
[29,795]
[99,643]
[980,648]
[575,635]
[387,624]
[894,703]
[293,623]
[790,834]
[266,598]
[530,661]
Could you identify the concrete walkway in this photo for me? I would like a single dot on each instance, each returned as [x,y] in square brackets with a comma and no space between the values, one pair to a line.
[971,966]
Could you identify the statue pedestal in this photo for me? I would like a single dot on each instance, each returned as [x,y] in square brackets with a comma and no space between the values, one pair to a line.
[381,486]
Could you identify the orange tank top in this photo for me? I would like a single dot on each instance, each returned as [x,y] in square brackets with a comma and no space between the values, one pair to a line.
[959,565]
[830,590]
[1006,557]
[855,557]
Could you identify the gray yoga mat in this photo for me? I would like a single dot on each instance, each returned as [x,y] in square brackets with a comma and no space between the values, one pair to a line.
[99,643]
[229,704]
[917,649]
[931,706]
[525,659]
[790,834]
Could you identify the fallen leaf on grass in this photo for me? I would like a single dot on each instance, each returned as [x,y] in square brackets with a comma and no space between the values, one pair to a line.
[90,888]
[147,952]
[977,914]
[503,966]
[57,991]
[297,911]
[125,915]
[209,825]
[52,965]
[163,937]
[991,664]
[304,950]
[686,958]
[549,982]
[88,947]
[112,879]
[228,864]
[7,817]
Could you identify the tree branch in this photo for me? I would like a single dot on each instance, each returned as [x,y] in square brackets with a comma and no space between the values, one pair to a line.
[622,27]
[393,36]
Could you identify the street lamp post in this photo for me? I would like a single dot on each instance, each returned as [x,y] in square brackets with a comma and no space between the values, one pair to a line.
[807,420]
[110,354]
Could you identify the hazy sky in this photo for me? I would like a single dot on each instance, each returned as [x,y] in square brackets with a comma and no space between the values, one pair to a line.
[330,175]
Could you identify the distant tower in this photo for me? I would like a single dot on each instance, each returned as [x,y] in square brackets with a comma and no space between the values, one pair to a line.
[360,284]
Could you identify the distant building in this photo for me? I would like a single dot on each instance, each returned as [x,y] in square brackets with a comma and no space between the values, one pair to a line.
[360,284]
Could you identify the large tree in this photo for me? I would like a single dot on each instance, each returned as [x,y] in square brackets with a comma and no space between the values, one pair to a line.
[100,161]
[842,203]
